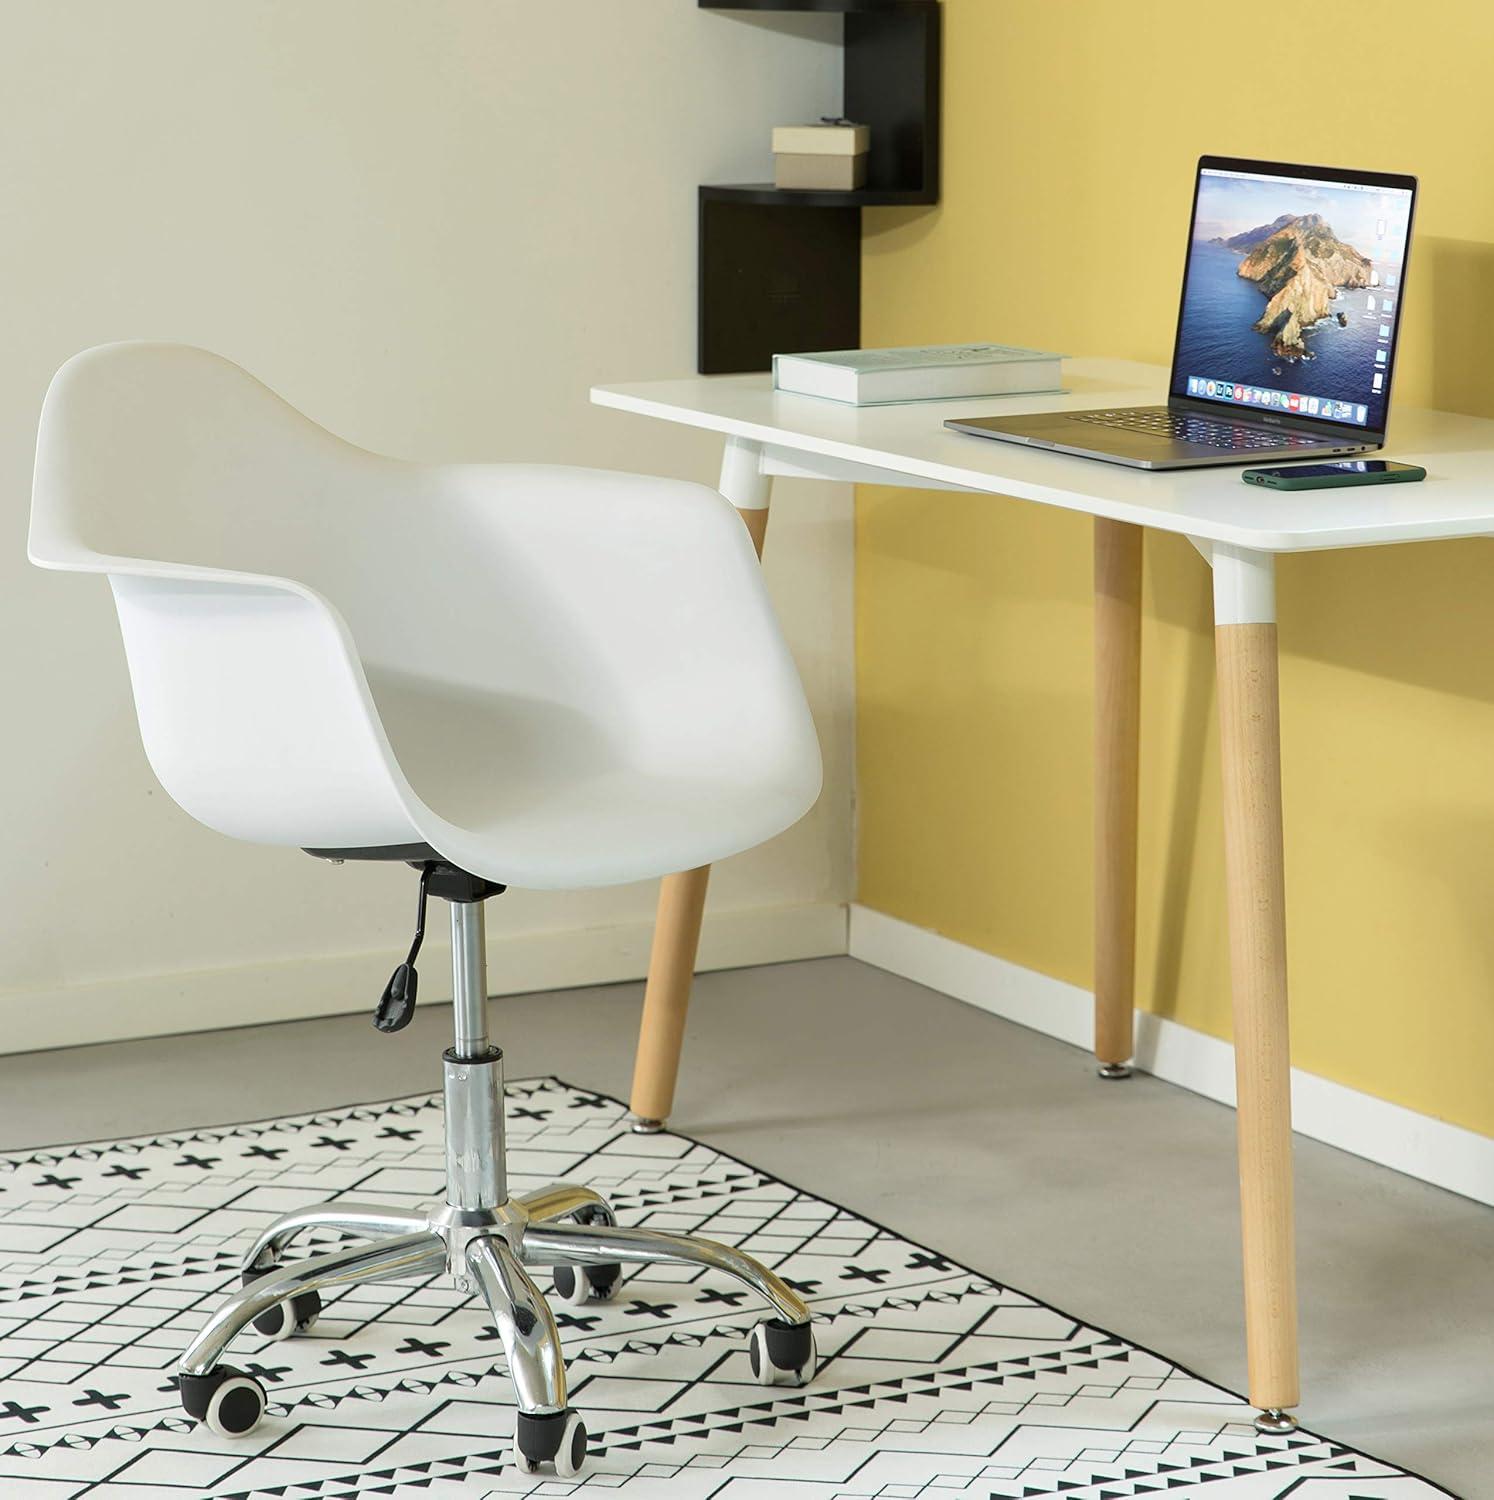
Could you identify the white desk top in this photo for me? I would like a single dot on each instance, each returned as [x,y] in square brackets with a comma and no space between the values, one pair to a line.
[908,443]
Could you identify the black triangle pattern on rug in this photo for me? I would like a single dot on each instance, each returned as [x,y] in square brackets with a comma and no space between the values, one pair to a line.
[936,1383]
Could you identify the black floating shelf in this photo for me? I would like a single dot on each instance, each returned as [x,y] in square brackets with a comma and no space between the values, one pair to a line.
[766,193]
[780,268]
[839,6]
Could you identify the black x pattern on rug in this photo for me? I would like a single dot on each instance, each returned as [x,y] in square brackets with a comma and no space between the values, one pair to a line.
[936,1383]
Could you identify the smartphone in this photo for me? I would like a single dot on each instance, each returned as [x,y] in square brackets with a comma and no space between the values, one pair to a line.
[1342,471]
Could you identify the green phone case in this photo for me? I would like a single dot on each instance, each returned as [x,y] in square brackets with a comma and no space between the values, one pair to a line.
[1409,475]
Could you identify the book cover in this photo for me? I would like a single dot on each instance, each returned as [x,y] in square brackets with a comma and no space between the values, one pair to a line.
[927,372]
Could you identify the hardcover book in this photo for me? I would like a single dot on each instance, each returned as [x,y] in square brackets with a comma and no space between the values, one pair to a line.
[930,372]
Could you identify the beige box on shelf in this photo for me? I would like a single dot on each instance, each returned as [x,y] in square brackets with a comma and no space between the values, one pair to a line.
[795,169]
[829,156]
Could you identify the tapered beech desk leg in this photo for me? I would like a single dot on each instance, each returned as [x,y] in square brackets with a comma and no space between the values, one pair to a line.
[1250,746]
[1117,737]
[671,966]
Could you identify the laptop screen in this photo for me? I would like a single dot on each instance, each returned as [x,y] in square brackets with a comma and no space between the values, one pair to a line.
[1292,291]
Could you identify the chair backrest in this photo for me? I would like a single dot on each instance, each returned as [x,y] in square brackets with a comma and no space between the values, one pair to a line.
[165,453]
[282,592]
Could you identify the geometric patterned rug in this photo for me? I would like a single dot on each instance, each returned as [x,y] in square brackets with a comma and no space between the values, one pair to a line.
[935,1383]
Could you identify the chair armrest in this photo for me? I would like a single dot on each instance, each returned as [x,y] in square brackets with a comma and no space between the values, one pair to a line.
[254,707]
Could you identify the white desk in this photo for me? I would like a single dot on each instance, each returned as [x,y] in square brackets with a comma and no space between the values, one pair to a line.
[1238,529]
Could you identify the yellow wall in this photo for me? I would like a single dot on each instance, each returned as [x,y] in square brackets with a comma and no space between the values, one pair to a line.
[1071,130]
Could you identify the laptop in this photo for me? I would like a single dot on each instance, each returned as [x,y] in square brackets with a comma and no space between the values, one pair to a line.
[1286,336]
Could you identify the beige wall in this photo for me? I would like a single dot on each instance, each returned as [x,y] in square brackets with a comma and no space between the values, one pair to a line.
[431,226]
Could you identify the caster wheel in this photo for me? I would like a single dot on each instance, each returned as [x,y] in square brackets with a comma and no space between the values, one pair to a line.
[578,1285]
[286,1318]
[227,1400]
[557,1438]
[782,1353]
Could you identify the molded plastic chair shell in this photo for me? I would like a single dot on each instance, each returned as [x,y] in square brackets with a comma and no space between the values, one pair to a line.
[556,677]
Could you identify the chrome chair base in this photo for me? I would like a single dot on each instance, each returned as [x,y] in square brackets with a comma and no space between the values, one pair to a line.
[487,1242]
[491,1252]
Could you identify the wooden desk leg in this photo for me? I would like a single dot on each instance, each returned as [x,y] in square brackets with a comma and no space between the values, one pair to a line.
[1250,745]
[1117,737]
[671,967]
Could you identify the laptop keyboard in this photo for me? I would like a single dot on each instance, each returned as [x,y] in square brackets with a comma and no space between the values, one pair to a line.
[1184,427]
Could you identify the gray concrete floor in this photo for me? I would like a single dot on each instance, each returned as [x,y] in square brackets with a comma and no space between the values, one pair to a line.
[1116,1202]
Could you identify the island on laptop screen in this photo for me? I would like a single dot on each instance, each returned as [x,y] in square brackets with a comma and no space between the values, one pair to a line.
[1292,295]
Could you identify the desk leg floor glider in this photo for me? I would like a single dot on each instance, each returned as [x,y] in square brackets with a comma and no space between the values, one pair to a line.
[666,996]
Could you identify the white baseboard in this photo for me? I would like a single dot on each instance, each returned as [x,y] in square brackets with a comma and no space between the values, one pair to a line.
[251,994]
[1389,1134]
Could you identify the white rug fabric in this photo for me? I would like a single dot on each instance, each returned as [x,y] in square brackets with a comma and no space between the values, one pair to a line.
[935,1383]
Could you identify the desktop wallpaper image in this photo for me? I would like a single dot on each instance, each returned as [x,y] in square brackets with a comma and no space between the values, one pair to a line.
[1294,286]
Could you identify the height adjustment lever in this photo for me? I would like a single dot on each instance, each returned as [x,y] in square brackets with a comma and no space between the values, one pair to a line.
[397,1003]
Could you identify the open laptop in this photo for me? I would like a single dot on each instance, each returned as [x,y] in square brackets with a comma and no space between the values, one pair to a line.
[1286,335]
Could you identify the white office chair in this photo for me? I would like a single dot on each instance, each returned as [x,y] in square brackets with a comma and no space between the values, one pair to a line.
[501,674]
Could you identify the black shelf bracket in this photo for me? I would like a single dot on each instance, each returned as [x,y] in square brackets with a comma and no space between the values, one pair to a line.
[780,269]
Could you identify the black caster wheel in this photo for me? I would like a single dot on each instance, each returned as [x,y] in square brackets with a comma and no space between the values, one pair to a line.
[225,1399]
[293,1316]
[578,1285]
[782,1353]
[557,1438]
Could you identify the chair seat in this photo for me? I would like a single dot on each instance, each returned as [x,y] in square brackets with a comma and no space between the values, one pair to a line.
[619,827]
[542,795]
